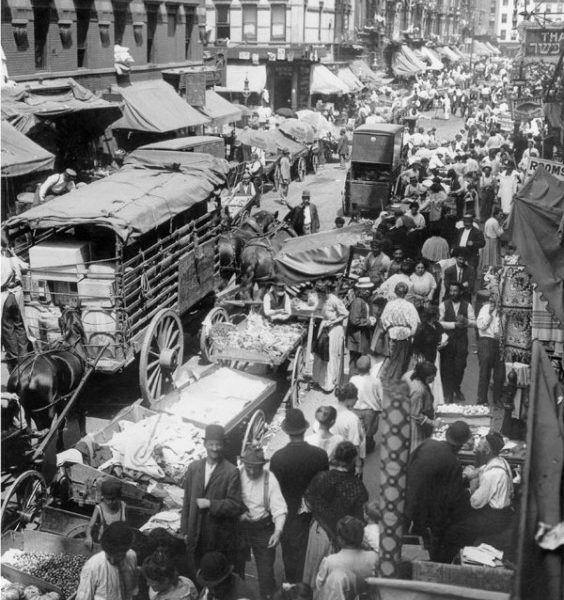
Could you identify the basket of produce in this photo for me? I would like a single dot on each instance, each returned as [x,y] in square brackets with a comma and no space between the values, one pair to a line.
[255,340]
[474,415]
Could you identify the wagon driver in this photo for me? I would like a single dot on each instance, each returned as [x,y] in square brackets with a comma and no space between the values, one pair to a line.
[276,303]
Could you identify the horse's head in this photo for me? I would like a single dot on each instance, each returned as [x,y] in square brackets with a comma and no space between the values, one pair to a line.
[72,331]
[265,220]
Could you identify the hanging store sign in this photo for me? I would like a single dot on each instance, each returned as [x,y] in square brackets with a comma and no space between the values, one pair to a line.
[552,167]
[543,43]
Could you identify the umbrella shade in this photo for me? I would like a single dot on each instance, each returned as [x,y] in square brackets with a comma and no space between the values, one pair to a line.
[319,123]
[286,112]
[298,130]
[253,137]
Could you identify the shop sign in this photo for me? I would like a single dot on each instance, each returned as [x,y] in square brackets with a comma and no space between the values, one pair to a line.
[281,53]
[543,43]
[244,55]
[552,167]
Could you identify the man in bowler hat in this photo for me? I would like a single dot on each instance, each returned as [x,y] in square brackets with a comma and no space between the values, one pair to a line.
[294,466]
[212,502]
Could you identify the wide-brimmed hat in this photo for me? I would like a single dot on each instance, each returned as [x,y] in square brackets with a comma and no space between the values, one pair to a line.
[458,433]
[254,456]
[295,422]
[364,283]
[214,568]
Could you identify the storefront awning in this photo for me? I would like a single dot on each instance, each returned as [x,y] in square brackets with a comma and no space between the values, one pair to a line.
[363,71]
[448,53]
[235,76]
[323,82]
[154,106]
[24,106]
[406,64]
[435,63]
[413,58]
[220,110]
[349,78]
[20,155]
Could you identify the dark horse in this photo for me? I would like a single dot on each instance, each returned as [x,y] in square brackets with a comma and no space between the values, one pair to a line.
[42,380]
[232,242]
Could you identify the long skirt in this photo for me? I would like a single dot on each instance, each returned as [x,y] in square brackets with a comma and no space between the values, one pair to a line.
[327,374]
[318,547]
[397,363]
[490,255]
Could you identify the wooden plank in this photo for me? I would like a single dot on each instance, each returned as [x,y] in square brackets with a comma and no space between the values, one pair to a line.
[196,276]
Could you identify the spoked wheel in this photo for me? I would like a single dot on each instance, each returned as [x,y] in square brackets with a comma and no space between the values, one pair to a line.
[161,354]
[215,316]
[255,431]
[302,168]
[277,179]
[298,383]
[23,501]
[315,162]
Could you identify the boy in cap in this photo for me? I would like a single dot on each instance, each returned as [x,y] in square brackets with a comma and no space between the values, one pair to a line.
[111,509]
[212,502]
[294,466]
[112,572]
[261,526]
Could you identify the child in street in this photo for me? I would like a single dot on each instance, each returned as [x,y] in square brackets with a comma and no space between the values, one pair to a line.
[110,510]
[372,527]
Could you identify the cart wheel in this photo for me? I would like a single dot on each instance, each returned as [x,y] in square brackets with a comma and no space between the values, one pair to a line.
[161,353]
[23,502]
[255,431]
[314,162]
[302,169]
[297,383]
[216,315]
[277,179]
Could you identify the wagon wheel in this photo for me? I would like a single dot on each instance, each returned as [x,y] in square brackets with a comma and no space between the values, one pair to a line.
[254,434]
[216,315]
[314,162]
[302,168]
[161,353]
[23,502]
[297,383]
[277,179]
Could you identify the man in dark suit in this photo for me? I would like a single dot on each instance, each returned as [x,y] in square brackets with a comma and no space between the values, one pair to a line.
[304,218]
[471,239]
[295,466]
[212,503]
[462,274]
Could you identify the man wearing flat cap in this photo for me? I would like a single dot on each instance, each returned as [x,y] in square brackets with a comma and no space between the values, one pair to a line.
[294,466]
[57,185]
[261,526]
[212,502]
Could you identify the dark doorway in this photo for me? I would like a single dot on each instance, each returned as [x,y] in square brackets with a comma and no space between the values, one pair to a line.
[282,92]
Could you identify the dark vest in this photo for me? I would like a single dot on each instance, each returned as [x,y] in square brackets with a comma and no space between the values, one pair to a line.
[276,301]
[450,316]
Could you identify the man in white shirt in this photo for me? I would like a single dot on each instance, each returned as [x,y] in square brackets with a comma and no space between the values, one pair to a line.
[57,185]
[491,493]
[369,404]
[489,355]
[261,526]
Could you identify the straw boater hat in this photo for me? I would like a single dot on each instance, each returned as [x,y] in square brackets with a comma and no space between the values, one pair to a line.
[364,283]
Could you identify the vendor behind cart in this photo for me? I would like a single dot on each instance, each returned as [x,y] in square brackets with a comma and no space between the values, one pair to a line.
[276,302]
[245,187]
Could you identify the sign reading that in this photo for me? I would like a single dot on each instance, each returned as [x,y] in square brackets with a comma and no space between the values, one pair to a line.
[543,43]
[554,168]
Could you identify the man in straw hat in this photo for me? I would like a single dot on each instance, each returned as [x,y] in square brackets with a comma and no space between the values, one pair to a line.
[436,495]
[361,322]
[294,466]
[212,502]
[219,581]
[261,526]
[57,185]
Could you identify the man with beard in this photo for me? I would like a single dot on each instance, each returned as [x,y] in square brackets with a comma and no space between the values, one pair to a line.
[491,488]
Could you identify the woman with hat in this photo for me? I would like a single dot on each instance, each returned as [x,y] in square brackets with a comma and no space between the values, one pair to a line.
[360,323]
[328,357]
[260,528]
[218,580]
[330,496]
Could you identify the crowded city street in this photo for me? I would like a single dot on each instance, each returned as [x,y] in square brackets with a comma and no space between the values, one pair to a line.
[282,320]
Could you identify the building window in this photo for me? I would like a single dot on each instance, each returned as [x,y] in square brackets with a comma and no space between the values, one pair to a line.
[278,22]
[505,2]
[222,27]
[250,22]
[120,19]
[504,18]
[172,13]
[19,29]
[82,25]
[319,20]
[188,36]
[41,16]
[503,34]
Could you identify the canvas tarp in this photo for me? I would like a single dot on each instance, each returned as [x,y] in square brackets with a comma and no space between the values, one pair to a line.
[435,63]
[20,155]
[147,191]
[448,53]
[535,219]
[25,106]
[406,64]
[319,255]
[155,107]
[323,82]
[220,110]
[349,78]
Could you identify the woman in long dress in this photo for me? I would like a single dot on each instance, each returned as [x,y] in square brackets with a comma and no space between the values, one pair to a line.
[491,253]
[327,373]
[508,185]
[421,402]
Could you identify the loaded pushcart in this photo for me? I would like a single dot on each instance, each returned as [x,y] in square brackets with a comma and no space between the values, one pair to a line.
[131,253]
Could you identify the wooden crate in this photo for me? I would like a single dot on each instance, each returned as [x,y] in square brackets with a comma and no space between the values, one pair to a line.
[482,578]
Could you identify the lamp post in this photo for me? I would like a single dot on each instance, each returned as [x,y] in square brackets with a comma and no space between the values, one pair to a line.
[246,89]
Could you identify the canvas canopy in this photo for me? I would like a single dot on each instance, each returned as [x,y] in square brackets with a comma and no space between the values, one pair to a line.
[323,82]
[155,107]
[537,212]
[406,64]
[25,106]
[435,63]
[319,255]
[147,191]
[271,141]
[448,53]
[20,155]
[220,110]
[349,78]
